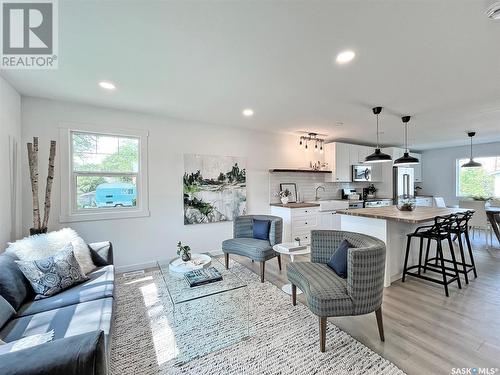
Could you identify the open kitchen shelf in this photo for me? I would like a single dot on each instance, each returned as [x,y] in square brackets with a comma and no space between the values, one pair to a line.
[277,170]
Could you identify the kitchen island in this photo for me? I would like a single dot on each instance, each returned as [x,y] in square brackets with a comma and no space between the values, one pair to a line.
[391,226]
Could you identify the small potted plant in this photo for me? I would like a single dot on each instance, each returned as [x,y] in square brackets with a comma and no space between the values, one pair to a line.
[184,251]
[297,241]
[284,194]
[406,204]
[371,191]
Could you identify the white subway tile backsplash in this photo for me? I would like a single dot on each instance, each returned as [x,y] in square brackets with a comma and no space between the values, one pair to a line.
[307,184]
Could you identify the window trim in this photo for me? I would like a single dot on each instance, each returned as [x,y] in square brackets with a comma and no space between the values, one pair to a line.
[68,212]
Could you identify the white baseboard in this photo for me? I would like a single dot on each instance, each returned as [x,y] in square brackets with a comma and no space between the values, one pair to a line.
[135,267]
[142,266]
[216,252]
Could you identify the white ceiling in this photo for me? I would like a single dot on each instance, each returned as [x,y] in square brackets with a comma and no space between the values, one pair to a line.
[207,60]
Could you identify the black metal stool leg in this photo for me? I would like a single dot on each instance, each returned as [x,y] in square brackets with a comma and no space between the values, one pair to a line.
[461,247]
[467,239]
[439,254]
[427,255]
[454,260]
[421,245]
[408,244]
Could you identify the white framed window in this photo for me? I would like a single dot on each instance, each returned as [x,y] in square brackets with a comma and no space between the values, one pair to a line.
[481,182]
[103,173]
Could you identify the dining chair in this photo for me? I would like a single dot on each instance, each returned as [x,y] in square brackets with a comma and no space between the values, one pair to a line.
[479,221]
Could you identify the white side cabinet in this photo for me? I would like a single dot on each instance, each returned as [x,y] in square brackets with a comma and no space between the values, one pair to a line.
[297,222]
[329,220]
[338,156]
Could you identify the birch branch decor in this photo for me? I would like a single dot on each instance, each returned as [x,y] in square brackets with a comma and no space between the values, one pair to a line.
[50,180]
[40,226]
[33,164]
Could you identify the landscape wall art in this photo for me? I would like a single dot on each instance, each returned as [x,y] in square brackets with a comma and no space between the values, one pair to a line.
[214,188]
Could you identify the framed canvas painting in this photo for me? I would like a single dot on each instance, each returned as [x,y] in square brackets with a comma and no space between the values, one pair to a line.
[214,188]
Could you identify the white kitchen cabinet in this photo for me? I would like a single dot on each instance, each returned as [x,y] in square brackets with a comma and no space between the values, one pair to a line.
[358,154]
[363,152]
[424,201]
[329,220]
[298,222]
[396,153]
[354,154]
[417,167]
[338,156]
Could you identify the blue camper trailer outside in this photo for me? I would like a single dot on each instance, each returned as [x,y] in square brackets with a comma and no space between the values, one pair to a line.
[116,195]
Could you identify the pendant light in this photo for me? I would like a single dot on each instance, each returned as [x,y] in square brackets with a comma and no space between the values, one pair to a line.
[406,159]
[378,156]
[471,163]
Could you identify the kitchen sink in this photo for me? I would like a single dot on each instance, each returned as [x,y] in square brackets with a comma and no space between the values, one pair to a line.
[331,204]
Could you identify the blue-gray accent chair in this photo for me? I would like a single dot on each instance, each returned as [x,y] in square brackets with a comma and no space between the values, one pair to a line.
[244,244]
[326,293]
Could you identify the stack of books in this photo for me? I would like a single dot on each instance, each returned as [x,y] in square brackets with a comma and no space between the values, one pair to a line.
[290,247]
[202,276]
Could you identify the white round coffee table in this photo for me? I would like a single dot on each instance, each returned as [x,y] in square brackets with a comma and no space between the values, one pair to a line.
[197,262]
[288,248]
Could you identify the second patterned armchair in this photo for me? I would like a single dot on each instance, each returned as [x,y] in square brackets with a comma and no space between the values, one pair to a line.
[327,294]
[245,244]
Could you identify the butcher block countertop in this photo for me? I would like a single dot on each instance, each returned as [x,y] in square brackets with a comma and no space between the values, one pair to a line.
[295,205]
[420,215]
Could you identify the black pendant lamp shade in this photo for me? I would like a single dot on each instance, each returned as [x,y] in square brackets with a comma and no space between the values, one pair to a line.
[378,156]
[406,159]
[471,163]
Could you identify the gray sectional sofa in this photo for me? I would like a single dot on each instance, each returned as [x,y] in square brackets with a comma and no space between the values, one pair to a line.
[81,318]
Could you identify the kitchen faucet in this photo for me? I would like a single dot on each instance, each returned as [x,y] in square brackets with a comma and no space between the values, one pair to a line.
[322,187]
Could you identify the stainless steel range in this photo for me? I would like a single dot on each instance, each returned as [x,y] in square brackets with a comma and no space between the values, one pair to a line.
[353,197]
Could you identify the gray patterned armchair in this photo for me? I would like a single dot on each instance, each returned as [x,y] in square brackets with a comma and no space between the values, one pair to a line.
[244,244]
[326,293]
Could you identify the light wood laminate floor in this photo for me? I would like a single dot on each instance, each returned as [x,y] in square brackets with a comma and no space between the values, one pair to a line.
[425,332]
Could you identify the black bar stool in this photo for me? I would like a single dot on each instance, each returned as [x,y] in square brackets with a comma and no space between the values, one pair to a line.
[440,231]
[458,229]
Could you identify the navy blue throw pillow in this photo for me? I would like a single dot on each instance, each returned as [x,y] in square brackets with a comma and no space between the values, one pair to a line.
[338,261]
[261,229]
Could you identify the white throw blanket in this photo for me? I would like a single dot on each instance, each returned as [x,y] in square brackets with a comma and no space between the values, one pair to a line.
[45,245]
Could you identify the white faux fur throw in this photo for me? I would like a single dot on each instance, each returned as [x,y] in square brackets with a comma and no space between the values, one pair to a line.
[44,245]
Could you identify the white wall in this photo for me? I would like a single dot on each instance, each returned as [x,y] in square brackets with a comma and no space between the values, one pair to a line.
[439,168]
[10,130]
[144,240]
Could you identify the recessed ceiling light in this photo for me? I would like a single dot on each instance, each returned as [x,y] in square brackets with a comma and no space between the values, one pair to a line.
[248,112]
[345,56]
[107,85]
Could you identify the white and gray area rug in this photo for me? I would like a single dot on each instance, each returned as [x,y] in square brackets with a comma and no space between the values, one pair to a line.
[283,339]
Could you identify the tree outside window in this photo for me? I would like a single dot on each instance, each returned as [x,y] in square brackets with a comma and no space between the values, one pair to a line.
[483,182]
[105,170]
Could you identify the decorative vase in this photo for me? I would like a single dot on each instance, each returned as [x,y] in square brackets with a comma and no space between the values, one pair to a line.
[34,231]
[284,200]
[406,203]
[186,257]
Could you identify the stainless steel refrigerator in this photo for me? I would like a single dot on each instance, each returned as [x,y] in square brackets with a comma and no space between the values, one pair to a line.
[404,183]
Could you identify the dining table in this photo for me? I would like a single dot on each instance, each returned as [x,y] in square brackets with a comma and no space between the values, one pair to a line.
[493,214]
